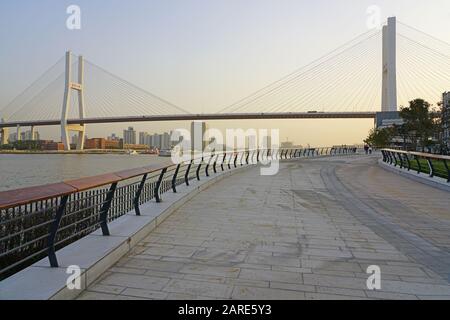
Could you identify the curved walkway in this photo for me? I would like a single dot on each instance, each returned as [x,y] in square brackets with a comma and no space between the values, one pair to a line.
[309,232]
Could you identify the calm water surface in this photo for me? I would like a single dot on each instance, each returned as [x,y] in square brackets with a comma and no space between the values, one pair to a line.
[19,171]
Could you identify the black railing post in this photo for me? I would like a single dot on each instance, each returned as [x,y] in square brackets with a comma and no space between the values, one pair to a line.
[207,166]
[215,163]
[235,160]
[257,156]
[105,209]
[223,160]
[418,165]
[54,230]
[198,169]
[401,160]
[186,175]
[229,161]
[174,178]
[448,170]
[430,164]
[408,161]
[248,156]
[395,159]
[158,185]
[138,195]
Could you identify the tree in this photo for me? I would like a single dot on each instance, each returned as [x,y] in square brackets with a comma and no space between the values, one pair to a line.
[379,138]
[418,124]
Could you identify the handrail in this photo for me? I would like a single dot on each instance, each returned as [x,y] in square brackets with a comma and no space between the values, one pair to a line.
[37,221]
[12,198]
[420,154]
[431,164]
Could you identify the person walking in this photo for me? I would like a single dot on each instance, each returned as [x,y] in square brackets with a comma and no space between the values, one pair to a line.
[366,148]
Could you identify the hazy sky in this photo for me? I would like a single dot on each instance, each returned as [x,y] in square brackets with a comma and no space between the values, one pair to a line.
[199,54]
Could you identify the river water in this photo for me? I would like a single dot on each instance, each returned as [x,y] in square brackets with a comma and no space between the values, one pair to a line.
[25,170]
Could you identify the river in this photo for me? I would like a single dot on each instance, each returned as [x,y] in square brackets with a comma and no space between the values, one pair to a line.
[25,170]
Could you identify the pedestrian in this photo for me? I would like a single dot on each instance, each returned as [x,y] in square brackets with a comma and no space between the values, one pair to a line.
[366,148]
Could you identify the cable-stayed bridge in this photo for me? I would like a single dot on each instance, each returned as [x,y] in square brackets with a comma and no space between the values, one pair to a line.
[377,71]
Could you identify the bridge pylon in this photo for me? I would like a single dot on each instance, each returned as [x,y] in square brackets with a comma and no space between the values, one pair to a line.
[78,87]
[4,132]
[389,84]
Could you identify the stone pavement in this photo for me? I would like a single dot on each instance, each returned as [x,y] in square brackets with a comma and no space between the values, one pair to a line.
[309,232]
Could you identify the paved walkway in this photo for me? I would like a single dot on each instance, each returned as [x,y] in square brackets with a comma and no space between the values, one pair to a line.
[308,233]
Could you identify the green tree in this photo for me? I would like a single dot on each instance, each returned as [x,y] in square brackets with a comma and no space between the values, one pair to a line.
[379,138]
[419,124]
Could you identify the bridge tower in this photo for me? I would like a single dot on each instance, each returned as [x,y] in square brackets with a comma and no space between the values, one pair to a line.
[78,87]
[389,84]
[4,133]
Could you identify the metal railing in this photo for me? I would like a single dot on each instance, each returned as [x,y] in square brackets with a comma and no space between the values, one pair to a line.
[427,163]
[36,222]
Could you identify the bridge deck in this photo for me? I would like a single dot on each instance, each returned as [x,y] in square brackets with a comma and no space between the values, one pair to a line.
[308,233]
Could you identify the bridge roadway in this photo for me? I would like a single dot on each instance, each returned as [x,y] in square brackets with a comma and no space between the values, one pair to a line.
[309,232]
[193,117]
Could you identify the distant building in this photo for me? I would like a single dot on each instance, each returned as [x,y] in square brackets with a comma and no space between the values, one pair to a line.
[143,137]
[165,141]
[52,146]
[155,141]
[12,137]
[95,143]
[129,136]
[27,136]
[446,118]
[388,119]
[113,137]
[112,144]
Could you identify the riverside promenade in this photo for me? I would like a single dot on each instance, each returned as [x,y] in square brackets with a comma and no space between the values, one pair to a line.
[309,232]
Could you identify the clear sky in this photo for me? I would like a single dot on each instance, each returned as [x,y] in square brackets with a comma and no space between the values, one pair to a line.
[199,54]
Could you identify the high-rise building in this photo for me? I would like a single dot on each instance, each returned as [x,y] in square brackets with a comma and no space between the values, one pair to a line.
[446,119]
[155,141]
[165,141]
[129,136]
[142,137]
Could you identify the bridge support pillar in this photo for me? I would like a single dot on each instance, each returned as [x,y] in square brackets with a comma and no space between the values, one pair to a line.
[33,133]
[19,135]
[76,86]
[5,135]
[389,85]
[4,132]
